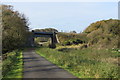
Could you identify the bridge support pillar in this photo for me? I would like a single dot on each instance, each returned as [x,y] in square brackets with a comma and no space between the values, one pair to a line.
[53,41]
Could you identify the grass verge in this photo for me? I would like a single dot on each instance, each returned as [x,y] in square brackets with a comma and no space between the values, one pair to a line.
[84,63]
[13,65]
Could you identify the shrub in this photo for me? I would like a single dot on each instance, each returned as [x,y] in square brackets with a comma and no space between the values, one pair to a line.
[15,29]
[68,43]
[104,33]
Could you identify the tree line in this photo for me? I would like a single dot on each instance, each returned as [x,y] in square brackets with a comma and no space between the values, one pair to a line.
[14,29]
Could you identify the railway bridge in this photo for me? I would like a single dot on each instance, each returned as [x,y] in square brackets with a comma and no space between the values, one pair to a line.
[52,35]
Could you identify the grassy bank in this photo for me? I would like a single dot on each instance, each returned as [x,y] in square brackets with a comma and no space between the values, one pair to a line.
[13,65]
[0,68]
[84,63]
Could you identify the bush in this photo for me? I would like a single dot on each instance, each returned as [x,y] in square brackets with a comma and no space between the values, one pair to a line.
[104,33]
[15,29]
[68,43]
[78,41]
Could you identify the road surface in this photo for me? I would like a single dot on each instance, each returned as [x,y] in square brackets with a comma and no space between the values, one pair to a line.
[36,66]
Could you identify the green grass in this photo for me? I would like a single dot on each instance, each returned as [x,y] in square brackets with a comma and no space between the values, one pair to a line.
[0,69]
[13,65]
[84,63]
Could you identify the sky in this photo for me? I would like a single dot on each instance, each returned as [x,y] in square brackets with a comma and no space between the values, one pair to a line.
[66,16]
[59,0]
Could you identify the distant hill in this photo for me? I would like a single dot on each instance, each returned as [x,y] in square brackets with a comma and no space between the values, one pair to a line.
[104,34]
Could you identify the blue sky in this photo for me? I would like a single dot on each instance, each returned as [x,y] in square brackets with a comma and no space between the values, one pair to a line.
[66,16]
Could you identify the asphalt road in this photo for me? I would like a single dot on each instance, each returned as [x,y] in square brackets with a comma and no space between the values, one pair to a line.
[36,66]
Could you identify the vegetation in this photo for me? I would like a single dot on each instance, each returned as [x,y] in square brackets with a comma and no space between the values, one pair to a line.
[94,53]
[68,37]
[104,34]
[46,30]
[84,63]
[101,34]
[15,29]
[12,65]
[74,41]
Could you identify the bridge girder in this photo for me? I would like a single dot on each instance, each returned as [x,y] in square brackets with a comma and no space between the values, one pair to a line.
[52,35]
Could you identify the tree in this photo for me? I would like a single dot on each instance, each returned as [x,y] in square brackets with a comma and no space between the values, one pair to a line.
[15,28]
[73,32]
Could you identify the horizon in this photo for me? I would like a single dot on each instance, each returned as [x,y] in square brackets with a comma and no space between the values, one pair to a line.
[66,16]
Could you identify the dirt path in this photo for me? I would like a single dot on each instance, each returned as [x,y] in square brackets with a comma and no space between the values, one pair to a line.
[36,66]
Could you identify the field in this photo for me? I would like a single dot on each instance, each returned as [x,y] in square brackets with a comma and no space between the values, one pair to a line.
[84,63]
